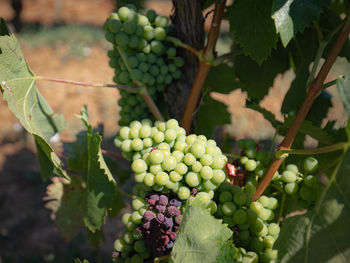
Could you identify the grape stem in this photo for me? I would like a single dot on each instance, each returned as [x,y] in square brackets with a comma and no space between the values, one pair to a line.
[166,257]
[178,43]
[326,149]
[105,152]
[221,59]
[282,208]
[85,84]
[312,92]
[204,67]
[122,192]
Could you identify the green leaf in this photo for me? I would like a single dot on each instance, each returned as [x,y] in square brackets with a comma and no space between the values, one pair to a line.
[320,108]
[3,28]
[211,114]
[292,16]
[25,101]
[222,79]
[228,253]
[77,153]
[343,87]
[267,114]
[253,27]
[321,235]
[200,237]
[257,80]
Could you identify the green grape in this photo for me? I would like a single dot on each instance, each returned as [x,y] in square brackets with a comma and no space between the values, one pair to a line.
[161,21]
[191,139]
[119,245]
[244,160]
[123,13]
[136,217]
[250,165]
[288,176]
[310,165]
[250,152]
[144,67]
[264,200]
[291,188]
[176,74]
[271,254]
[154,70]
[146,49]
[157,47]
[172,68]
[193,179]
[273,229]
[206,160]
[209,185]
[136,74]
[311,181]
[141,57]
[250,188]
[134,132]
[139,166]
[212,207]
[265,214]
[179,62]
[175,177]
[178,155]
[156,156]
[139,246]
[250,257]
[124,133]
[128,238]
[203,197]
[151,15]
[136,144]
[218,162]
[142,45]
[218,176]
[132,62]
[126,218]
[140,177]
[129,27]
[148,33]
[181,168]
[143,20]
[113,62]
[189,159]
[198,150]
[272,204]
[114,25]
[122,39]
[228,220]
[171,52]
[268,241]
[164,69]
[180,146]
[149,179]
[133,16]
[170,135]
[228,208]
[162,178]
[136,259]
[196,167]
[307,193]
[256,207]
[137,203]
[239,216]
[293,168]
[126,146]
[155,168]
[256,244]
[244,236]
[251,216]
[183,193]
[240,198]
[263,232]
[145,131]
[169,163]
[168,79]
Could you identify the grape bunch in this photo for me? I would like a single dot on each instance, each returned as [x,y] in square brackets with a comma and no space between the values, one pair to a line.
[141,54]
[150,229]
[165,160]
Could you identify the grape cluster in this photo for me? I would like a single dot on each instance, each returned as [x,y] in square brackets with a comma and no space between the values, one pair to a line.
[165,159]
[141,54]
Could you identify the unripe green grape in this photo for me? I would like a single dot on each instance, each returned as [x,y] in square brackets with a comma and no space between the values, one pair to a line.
[169,163]
[132,62]
[250,257]
[161,21]
[151,15]
[272,204]
[244,160]
[157,47]
[212,206]
[193,179]
[288,176]
[263,232]
[124,133]
[229,208]
[162,178]
[218,176]
[264,200]
[239,216]
[149,179]
[146,49]
[250,188]
[148,33]
[114,25]
[273,229]
[155,168]
[126,146]
[251,216]
[271,254]
[196,167]
[136,144]
[126,218]
[137,203]
[170,135]
[203,197]
[180,146]
[311,181]
[118,142]
[122,39]
[250,152]
[198,150]
[189,159]
[310,165]
[136,74]
[145,131]
[134,133]
[142,45]
[164,69]
[256,207]
[141,57]
[139,246]
[119,245]
[257,245]
[129,27]
[133,16]
[143,20]
[181,168]
[269,241]
[144,67]
[139,177]
[156,157]
[168,79]
[244,236]
[276,176]
[307,193]
[265,214]
[191,139]
[293,168]
[154,70]
[179,62]
[291,188]
[218,162]
[240,198]
[250,165]
[137,258]
[171,52]
[136,217]
[183,193]
[175,176]
[206,160]
[209,185]
[123,13]
[172,68]
[139,166]
[114,16]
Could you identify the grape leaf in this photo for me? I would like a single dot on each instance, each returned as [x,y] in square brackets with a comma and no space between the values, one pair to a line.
[253,27]
[257,80]
[343,87]
[200,237]
[228,253]
[322,234]
[292,16]
[222,79]
[25,101]
[267,114]
[211,114]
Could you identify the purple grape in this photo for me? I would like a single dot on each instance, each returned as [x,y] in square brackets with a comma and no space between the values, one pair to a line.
[154,197]
[170,245]
[173,211]
[163,200]
[148,216]
[161,208]
[168,222]
[178,219]
[194,191]
[165,240]
[160,218]
[175,202]
[172,235]
[147,225]
[152,202]
[115,254]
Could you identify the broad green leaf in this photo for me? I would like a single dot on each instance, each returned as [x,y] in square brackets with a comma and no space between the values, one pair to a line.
[322,234]
[292,16]
[77,153]
[200,237]
[222,79]
[25,101]
[343,87]
[257,80]
[253,27]
[228,253]
[211,114]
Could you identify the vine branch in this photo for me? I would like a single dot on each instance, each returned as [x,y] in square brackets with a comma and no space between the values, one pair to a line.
[204,67]
[313,91]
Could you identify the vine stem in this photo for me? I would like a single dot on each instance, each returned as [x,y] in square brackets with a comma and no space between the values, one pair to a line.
[312,93]
[204,67]
[326,149]
[178,43]
[86,84]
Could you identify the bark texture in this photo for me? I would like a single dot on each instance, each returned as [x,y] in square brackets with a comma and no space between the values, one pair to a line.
[189,28]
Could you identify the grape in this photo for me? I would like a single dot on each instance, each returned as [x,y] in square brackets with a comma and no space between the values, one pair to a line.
[162,178]
[146,49]
[129,27]
[161,21]
[136,74]
[310,165]
[198,150]
[169,163]
[288,176]
[250,152]
[136,144]
[218,176]
[206,173]
[272,204]
[250,165]
[264,200]
[123,13]
[228,208]
[140,177]
[189,159]
[240,216]
[181,168]
[311,181]
[196,167]
[273,229]
[193,179]
[179,62]
[122,39]
[293,168]
[144,67]
[143,20]
[240,198]
[183,193]
[256,207]
[265,214]
[114,25]
[157,47]
[291,188]
[126,146]
[151,15]
[171,52]
[148,33]
[218,162]
[307,193]
[170,135]
[136,217]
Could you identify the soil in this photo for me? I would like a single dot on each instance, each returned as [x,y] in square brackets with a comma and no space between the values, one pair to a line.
[27,234]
